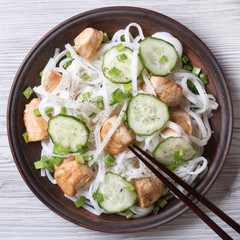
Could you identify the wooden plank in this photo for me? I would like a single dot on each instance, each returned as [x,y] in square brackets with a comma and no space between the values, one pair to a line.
[23,23]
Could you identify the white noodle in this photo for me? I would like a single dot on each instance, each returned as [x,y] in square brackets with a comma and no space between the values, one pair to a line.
[72,86]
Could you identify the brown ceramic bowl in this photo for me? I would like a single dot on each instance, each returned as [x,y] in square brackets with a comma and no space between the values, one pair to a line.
[110,20]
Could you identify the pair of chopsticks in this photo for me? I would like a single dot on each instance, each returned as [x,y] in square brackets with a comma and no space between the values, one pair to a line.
[190,190]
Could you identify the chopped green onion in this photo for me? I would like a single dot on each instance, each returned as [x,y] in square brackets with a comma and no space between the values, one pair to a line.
[49,166]
[58,149]
[49,110]
[100,105]
[39,164]
[117,96]
[176,156]
[28,92]
[85,96]
[85,76]
[164,186]
[67,64]
[128,95]
[80,202]
[192,87]
[156,209]
[187,67]
[209,161]
[41,73]
[196,71]
[123,38]
[44,158]
[137,143]
[204,78]
[114,72]
[99,101]
[25,136]
[163,57]
[105,38]
[180,151]
[98,196]
[128,213]
[125,117]
[68,54]
[63,110]
[109,159]
[172,167]
[36,112]
[89,158]
[92,114]
[79,158]
[94,195]
[67,149]
[82,149]
[185,59]
[130,188]
[162,203]
[56,160]
[128,87]
[120,47]
[121,57]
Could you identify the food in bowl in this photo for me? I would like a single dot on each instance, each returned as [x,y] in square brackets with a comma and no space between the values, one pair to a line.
[99,96]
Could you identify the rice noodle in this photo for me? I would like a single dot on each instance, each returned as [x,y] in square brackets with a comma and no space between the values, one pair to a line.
[68,94]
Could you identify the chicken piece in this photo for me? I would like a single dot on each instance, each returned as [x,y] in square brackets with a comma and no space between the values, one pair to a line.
[149,190]
[181,118]
[36,126]
[71,175]
[51,80]
[88,41]
[120,138]
[166,90]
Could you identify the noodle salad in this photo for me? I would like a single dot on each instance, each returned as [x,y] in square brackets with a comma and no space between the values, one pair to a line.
[99,96]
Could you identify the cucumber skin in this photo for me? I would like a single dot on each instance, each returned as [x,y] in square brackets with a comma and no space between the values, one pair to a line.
[76,119]
[155,130]
[142,59]
[155,150]
[109,172]
[122,82]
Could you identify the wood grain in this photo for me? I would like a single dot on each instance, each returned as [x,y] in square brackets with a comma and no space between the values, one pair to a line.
[23,23]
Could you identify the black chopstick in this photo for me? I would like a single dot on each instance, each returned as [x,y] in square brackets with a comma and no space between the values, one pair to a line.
[193,192]
[185,199]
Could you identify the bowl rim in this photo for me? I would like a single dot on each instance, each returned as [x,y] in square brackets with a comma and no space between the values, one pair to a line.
[104,10]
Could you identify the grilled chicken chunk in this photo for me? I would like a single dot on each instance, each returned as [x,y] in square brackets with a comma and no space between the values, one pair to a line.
[166,90]
[88,41]
[181,118]
[71,175]
[51,80]
[120,138]
[36,126]
[149,190]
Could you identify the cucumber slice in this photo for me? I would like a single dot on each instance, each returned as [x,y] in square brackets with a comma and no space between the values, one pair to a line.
[166,149]
[116,197]
[110,60]
[159,57]
[68,131]
[146,114]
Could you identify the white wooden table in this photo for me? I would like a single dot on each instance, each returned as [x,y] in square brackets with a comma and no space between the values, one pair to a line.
[23,23]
